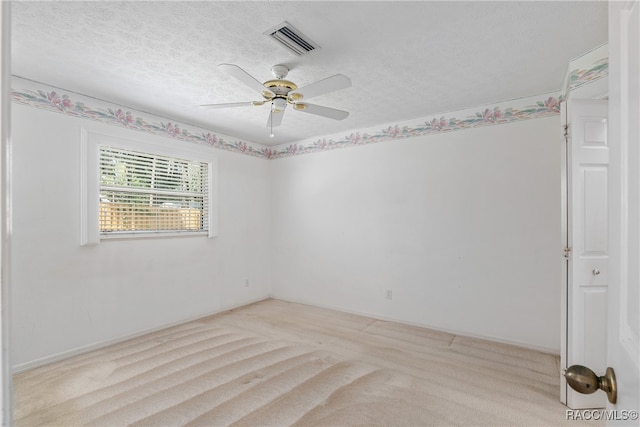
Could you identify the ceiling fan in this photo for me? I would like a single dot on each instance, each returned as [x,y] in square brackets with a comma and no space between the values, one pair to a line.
[279,92]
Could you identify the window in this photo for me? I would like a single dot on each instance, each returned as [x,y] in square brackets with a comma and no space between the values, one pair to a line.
[145,189]
[146,193]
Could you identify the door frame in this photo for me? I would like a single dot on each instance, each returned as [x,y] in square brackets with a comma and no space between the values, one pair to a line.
[624,191]
[6,391]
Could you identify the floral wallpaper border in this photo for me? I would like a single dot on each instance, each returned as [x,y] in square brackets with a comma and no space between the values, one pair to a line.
[53,99]
[485,116]
[581,77]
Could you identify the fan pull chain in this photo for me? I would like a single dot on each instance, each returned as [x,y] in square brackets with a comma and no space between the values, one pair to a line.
[271,120]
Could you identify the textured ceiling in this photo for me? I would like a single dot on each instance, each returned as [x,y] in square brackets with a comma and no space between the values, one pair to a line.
[406,59]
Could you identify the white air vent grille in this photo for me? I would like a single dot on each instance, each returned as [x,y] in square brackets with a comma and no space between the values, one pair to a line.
[292,39]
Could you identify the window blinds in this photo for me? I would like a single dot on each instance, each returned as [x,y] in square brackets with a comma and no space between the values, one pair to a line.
[148,193]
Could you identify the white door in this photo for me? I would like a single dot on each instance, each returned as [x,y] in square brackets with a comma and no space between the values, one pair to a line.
[623,346]
[588,240]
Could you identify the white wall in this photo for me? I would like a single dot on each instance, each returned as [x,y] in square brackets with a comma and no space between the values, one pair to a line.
[464,228]
[65,297]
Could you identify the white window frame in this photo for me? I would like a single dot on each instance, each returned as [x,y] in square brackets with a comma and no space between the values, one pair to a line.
[90,143]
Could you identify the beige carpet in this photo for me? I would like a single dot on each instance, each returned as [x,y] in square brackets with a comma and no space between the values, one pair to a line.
[275,363]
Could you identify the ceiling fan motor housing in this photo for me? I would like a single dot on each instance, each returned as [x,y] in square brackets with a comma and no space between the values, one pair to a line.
[280,87]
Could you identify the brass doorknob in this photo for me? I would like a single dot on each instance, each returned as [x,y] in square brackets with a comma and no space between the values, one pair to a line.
[585,381]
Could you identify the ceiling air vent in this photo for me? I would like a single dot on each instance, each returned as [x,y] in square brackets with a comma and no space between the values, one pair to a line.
[292,39]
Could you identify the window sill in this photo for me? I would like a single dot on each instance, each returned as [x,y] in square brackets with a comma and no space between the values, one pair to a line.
[151,235]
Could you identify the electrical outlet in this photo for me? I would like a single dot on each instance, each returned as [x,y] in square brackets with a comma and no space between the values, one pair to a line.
[389,294]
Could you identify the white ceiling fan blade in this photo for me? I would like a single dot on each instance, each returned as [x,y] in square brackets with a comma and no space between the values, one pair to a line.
[244,77]
[319,110]
[233,104]
[275,118]
[330,84]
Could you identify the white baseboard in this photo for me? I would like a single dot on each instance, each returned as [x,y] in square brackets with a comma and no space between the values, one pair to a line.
[101,344]
[500,340]
[95,346]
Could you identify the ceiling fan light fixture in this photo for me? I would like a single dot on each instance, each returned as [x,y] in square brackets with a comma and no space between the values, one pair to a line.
[278,104]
